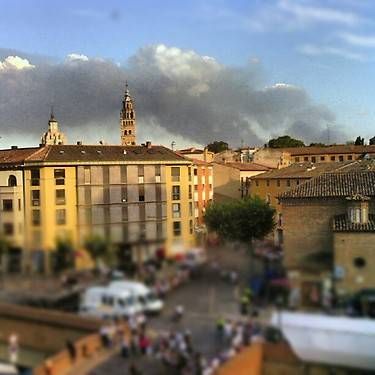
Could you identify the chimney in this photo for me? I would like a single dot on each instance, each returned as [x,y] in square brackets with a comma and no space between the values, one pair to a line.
[14,147]
[148,144]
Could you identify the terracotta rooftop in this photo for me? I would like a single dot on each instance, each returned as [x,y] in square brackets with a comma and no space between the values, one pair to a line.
[89,153]
[303,170]
[191,150]
[336,149]
[246,166]
[341,223]
[335,185]
[15,156]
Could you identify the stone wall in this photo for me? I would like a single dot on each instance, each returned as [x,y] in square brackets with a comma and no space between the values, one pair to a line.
[348,247]
[308,228]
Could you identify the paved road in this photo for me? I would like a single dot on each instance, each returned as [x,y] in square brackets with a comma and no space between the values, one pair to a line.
[204,298]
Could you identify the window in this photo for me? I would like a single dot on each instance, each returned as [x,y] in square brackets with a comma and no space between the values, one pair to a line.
[296,159]
[35,197]
[268,182]
[175,174]
[141,174]
[190,192]
[176,193]
[306,158]
[60,217]
[189,172]
[12,181]
[195,172]
[322,158]
[60,196]
[176,210]
[297,182]
[350,157]
[333,158]
[191,226]
[36,217]
[256,183]
[313,159]
[288,182]
[341,158]
[35,177]
[359,262]
[177,228]
[141,193]
[8,229]
[86,175]
[19,205]
[157,173]
[190,209]
[7,205]
[195,187]
[278,182]
[59,175]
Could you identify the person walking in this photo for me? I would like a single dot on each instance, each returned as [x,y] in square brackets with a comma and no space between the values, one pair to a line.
[244,304]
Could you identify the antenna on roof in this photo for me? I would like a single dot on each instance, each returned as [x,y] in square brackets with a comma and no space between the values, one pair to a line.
[173,143]
[328,136]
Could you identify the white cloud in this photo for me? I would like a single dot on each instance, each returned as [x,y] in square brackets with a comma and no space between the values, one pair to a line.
[317,14]
[15,63]
[76,57]
[358,40]
[314,50]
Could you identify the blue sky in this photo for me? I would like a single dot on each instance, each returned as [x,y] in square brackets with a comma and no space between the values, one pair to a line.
[325,47]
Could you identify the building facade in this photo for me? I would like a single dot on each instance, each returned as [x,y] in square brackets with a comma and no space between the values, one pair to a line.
[137,198]
[329,232]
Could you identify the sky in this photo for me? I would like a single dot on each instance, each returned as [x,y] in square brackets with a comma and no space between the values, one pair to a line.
[241,71]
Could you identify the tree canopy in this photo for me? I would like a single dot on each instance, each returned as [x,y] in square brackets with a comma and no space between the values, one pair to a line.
[371,141]
[359,141]
[285,141]
[241,220]
[217,146]
[96,246]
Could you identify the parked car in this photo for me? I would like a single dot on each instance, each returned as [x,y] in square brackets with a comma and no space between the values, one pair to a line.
[141,294]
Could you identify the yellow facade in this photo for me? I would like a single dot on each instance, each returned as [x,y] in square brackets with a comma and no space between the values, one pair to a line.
[179,240]
[56,211]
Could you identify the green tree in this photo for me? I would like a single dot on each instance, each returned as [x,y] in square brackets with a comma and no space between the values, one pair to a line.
[359,141]
[64,255]
[317,144]
[285,141]
[371,141]
[241,220]
[97,247]
[217,146]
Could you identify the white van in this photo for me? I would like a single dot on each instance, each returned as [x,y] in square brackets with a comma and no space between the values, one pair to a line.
[143,295]
[101,302]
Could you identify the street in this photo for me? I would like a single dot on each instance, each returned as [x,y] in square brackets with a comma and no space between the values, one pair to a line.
[205,299]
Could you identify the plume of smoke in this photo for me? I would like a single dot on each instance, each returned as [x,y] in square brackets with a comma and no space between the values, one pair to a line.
[185,94]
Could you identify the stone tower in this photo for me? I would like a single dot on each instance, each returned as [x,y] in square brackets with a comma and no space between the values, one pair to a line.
[53,136]
[127,119]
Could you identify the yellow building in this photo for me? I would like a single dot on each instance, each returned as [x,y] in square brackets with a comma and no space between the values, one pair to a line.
[137,198]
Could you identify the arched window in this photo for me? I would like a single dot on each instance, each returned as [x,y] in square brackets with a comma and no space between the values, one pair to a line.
[125,132]
[130,132]
[12,180]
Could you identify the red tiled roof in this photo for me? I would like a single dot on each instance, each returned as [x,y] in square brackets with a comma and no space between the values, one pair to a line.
[303,170]
[336,149]
[16,156]
[335,185]
[246,166]
[342,224]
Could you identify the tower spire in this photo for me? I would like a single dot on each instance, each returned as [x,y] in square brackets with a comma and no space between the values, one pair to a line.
[127,119]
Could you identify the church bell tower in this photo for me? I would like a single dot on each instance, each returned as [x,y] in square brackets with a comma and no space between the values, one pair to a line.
[127,119]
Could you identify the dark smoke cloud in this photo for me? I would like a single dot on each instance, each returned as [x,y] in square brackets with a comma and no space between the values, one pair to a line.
[181,92]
